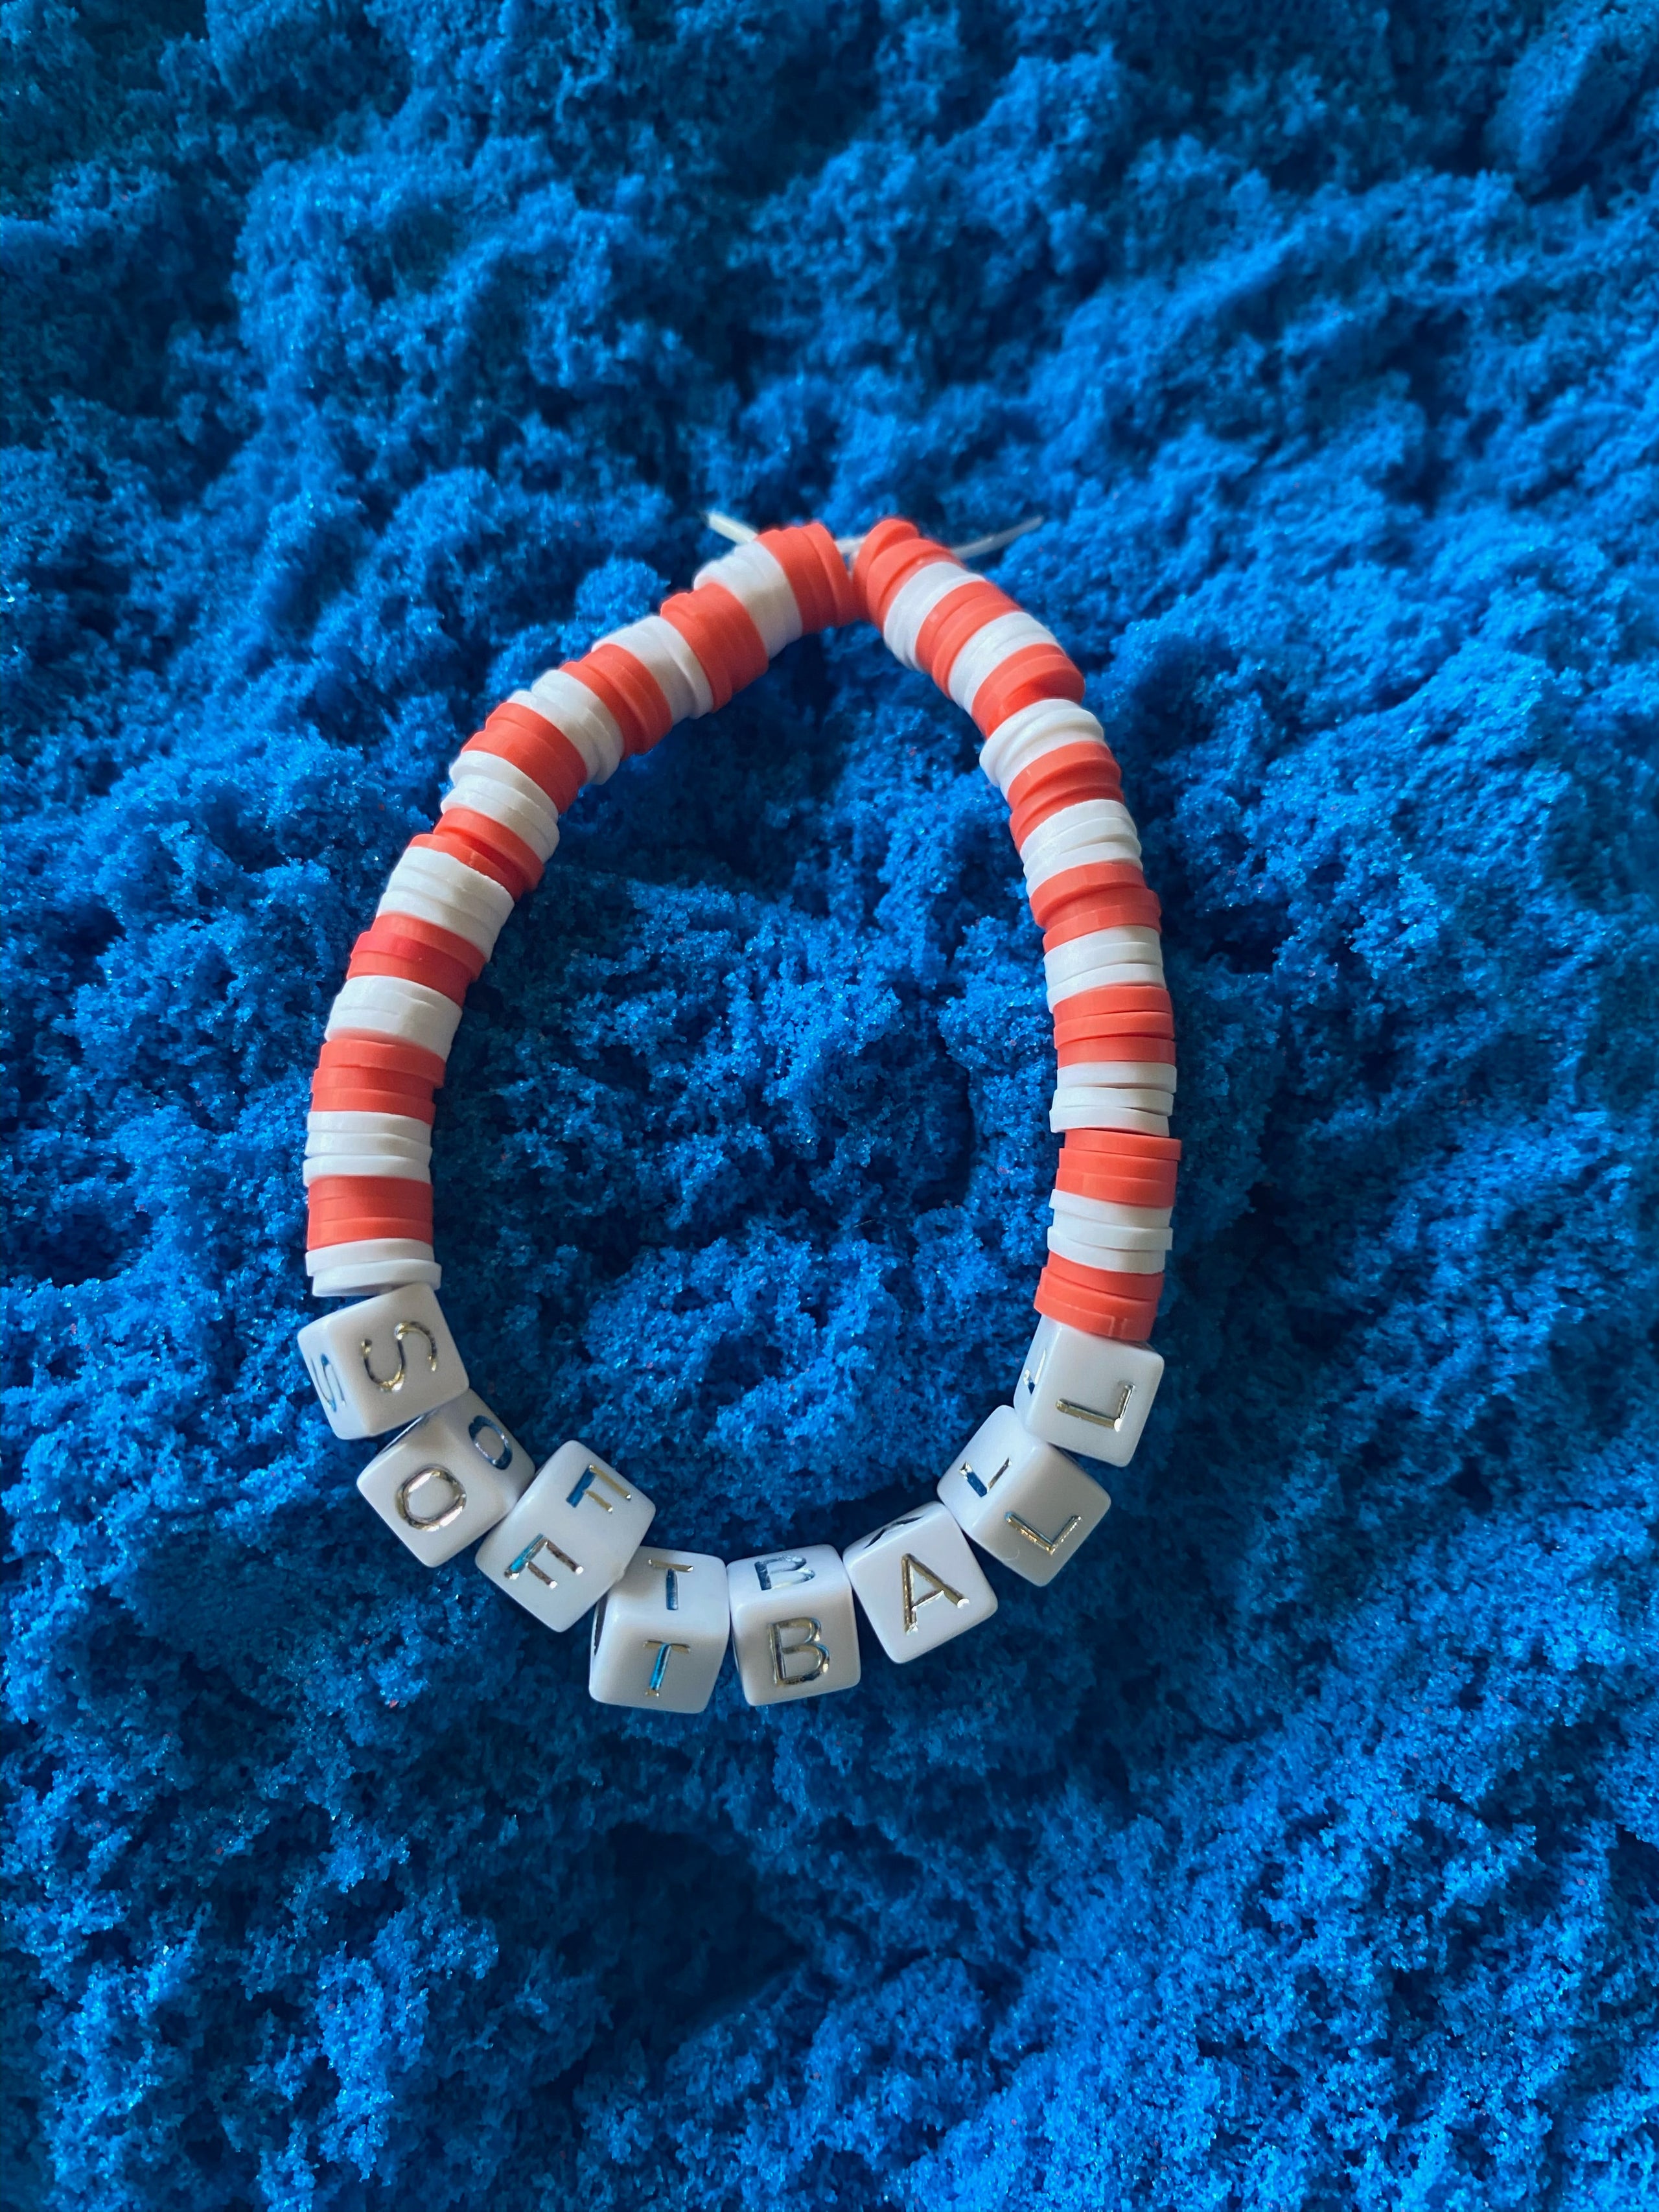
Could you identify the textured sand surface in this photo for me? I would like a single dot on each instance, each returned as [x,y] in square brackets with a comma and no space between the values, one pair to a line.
[1299,1850]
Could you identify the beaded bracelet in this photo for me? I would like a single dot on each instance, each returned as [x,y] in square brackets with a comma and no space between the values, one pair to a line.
[570,1539]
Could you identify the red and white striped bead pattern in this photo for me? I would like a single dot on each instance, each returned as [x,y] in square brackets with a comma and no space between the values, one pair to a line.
[367,1154]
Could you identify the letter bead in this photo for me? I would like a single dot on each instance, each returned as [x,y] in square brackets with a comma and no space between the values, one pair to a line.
[660,1634]
[793,1625]
[447,1479]
[568,1539]
[919,1582]
[382,1363]
[1019,1499]
[1087,1394]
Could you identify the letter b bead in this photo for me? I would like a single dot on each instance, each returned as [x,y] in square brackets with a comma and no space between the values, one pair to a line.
[792,1626]
[383,1362]
[447,1479]
[660,1634]
[569,1538]
[1019,1499]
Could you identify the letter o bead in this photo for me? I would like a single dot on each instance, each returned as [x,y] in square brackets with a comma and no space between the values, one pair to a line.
[447,1479]
[1087,1394]
[569,1538]
[793,1625]
[919,1582]
[660,1634]
[1019,1499]
[383,1362]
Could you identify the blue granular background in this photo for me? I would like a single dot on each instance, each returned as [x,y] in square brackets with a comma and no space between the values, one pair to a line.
[1299,1848]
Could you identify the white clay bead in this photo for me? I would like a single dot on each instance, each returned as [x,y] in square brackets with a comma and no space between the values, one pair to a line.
[1136,1074]
[1121,1237]
[364,1267]
[917,1582]
[1096,1110]
[1140,1098]
[673,667]
[384,1362]
[1088,1253]
[483,766]
[447,1479]
[423,903]
[569,1538]
[1087,1394]
[1098,948]
[341,1121]
[660,1634]
[1097,978]
[389,1007]
[394,1167]
[528,824]
[1110,1213]
[792,1626]
[1001,637]
[916,598]
[755,578]
[1043,727]
[1020,1499]
[336,1144]
[1100,852]
[1065,839]
[581,715]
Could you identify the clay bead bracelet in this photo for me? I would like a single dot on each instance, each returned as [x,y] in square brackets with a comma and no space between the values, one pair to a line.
[570,1539]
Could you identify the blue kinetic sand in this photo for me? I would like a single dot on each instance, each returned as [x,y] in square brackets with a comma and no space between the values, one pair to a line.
[1297,1851]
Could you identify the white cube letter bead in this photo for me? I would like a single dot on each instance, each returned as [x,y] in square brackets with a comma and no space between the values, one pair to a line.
[1087,1394]
[792,1626]
[448,1480]
[382,1363]
[569,1538]
[660,1634]
[917,1582]
[1019,1499]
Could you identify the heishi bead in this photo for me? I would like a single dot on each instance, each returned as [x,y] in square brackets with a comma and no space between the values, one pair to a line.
[389,1007]
[1087,1394]
[581,717]
[792,1626]
[367,1265]
[1033,732]
[447,1479]
[660,1633]
[378,1365]
[538,826]
[569,1538]
[923,590]
[756,579]
[1019,1499]
[672,664]
[988,648]
[917,1582]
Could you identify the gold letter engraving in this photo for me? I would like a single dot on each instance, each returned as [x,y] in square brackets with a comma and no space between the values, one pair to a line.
[442,1518]
[809,1641]
[528,1558]
[1049,1544]
[909,1568]
[482,1426]
[659,1666]
[673,1568]
[403,1329]
[985,1489]
[1112,1420]
[585,1482]
[783,1571]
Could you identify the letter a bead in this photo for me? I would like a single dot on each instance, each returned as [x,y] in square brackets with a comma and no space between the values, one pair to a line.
[792,1626]
[447,1479]
[660,1634]
[1087,1394]
[919,1582]
[1019,1499]
[382,1363]
[569,1538]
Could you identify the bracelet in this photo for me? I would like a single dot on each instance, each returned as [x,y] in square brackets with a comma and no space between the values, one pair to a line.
[568,1539]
